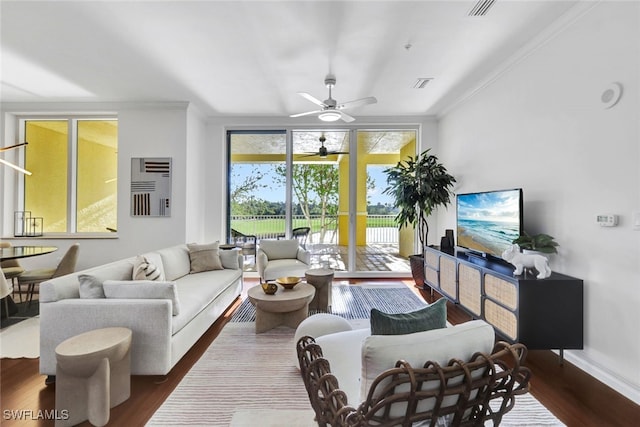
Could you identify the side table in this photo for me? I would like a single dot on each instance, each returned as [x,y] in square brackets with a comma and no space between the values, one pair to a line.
[322,280]
[93,375]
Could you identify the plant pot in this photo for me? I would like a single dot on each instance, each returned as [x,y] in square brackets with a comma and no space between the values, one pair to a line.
[417,269]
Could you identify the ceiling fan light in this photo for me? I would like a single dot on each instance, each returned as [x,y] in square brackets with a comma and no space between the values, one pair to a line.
[329,116]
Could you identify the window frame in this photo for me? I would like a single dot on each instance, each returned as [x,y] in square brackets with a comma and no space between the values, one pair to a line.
[72,169]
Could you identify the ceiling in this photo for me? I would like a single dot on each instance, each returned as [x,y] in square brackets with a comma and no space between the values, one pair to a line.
[250,58]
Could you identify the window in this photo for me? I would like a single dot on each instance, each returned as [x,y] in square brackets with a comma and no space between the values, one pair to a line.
[74,166]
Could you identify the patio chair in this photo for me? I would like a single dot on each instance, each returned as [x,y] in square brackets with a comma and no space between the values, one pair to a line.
[246,242]
[479,390]
[301,233]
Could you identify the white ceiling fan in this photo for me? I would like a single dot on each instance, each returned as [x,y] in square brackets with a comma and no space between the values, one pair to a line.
[330,109]
[18,168]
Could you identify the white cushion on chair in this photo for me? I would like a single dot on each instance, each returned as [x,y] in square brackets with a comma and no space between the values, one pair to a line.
[319,325]
[343,350]
[280,249]
[381,352]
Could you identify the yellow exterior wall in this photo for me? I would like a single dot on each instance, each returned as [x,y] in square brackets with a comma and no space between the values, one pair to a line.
[46,158]
[407,234]
[97,186]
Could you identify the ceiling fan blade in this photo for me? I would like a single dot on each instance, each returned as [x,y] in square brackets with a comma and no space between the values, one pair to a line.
[308,113]
[312,99]
[357,103]
[346,118]
[337,152]
[11,147]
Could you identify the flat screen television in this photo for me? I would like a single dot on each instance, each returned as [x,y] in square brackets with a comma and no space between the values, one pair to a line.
[488,221]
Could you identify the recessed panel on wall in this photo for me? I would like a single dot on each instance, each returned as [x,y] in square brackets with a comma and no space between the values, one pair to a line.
[151,186]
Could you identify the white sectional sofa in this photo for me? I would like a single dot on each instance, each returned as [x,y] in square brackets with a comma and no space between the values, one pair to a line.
[164,328]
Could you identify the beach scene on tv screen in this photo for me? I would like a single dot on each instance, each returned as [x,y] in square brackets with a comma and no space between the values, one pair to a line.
[488,222]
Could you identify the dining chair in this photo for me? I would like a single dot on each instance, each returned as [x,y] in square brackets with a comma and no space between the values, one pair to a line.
[67,265]
[11,269]
[6,289]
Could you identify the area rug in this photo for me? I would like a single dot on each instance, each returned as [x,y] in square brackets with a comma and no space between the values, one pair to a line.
[354,302]
[21,340]
[24,311]
[246,379]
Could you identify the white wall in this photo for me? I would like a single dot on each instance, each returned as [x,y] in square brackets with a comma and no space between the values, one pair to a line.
[196,187]
[157,130]
[541,126]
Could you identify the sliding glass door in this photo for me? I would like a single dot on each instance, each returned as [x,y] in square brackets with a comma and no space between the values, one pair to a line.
[324,187]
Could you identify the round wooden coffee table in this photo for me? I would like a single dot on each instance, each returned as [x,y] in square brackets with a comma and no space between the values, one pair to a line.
[286,307]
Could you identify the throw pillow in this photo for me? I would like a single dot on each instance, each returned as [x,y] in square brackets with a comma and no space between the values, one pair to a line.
[204,257]
[433,316]
[90,286]
[229,258]
[143,269]
[143,289]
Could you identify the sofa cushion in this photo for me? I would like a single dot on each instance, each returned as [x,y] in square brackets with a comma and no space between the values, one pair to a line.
[204,257]
[197,291]
[433,316]
[280,249]
[284,267]
[175,261]
[145,270]
[381,352]
[229,258]
[90,286]
[143,289]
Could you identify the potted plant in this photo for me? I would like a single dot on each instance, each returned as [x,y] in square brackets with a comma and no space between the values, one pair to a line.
[419,185]
[542,243]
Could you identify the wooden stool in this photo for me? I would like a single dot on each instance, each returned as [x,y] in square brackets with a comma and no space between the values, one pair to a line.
[321,279]
[93,375]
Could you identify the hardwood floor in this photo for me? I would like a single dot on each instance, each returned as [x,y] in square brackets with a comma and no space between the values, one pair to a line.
[576,398]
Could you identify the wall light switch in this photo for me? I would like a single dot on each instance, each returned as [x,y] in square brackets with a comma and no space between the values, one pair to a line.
[636,220]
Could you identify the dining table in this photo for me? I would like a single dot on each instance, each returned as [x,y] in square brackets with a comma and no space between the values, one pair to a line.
[25,251]
[16,252]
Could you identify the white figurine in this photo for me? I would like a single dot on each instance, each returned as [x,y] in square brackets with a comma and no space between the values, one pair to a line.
[522,261]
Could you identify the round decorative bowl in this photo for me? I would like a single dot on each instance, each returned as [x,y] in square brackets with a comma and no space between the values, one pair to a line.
[269,288]
[288,282]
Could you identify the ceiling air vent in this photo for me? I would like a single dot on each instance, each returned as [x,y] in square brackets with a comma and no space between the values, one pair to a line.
[422,82]
[481,8]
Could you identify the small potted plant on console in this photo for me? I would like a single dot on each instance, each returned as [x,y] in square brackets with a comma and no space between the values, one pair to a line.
[540,243]
[419,185]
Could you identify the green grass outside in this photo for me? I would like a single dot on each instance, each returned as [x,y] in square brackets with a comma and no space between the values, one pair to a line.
[272,226]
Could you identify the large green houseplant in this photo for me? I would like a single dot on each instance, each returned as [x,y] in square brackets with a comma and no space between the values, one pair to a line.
[419,185]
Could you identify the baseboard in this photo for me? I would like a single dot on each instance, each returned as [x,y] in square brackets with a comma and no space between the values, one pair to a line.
[629,391]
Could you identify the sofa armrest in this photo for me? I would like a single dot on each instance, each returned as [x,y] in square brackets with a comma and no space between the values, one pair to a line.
[261,262]
[150,320]
[304,255]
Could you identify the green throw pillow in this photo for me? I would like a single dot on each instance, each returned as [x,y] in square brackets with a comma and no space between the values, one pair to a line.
[433,316]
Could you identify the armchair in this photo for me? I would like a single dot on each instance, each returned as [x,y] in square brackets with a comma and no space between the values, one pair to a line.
[460,393]
[277,258]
